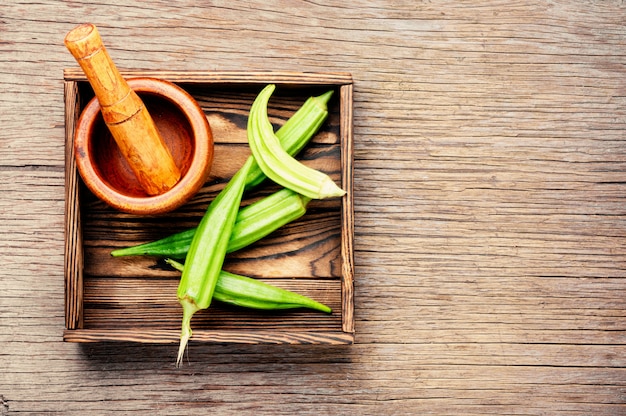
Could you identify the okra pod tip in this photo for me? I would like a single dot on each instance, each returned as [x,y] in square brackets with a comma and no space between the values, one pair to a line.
[323,99]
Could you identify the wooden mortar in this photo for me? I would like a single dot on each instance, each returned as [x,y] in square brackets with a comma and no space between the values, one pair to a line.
[124,113]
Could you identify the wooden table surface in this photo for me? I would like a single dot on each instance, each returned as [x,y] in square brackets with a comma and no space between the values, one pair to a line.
[490,210]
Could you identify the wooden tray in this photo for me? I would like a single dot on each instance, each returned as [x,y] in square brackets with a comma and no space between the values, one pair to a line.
[134,298]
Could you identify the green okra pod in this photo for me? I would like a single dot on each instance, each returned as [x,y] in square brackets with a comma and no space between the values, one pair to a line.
[247,292]
[276,163]
[253,222]
[207,252]
[268,215]
[296,132]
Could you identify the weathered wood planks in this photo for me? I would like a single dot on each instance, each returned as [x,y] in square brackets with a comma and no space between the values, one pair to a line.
[488,194]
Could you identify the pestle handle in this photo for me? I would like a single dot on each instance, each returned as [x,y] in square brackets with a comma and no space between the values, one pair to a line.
[124,113]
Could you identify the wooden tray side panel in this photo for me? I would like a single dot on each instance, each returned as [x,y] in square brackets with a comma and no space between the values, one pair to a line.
[347,213]
[230,77]
[231,337]
[73,267]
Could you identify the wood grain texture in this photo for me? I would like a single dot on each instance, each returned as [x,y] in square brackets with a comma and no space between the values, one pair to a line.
[74,259]
[490,218]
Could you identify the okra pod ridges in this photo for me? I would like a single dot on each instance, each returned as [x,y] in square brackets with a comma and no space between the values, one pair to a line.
[296,132]
[277,164]
[253,222]
[257,224]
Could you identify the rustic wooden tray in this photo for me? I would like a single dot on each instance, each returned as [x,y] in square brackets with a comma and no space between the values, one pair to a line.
[134,298]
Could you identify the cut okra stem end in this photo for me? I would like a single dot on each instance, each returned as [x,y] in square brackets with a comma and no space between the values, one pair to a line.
[189,308]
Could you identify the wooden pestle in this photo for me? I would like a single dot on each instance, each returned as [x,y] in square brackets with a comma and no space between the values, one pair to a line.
[124,113]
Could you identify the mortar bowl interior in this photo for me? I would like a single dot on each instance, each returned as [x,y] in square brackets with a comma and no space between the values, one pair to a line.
[182,125]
